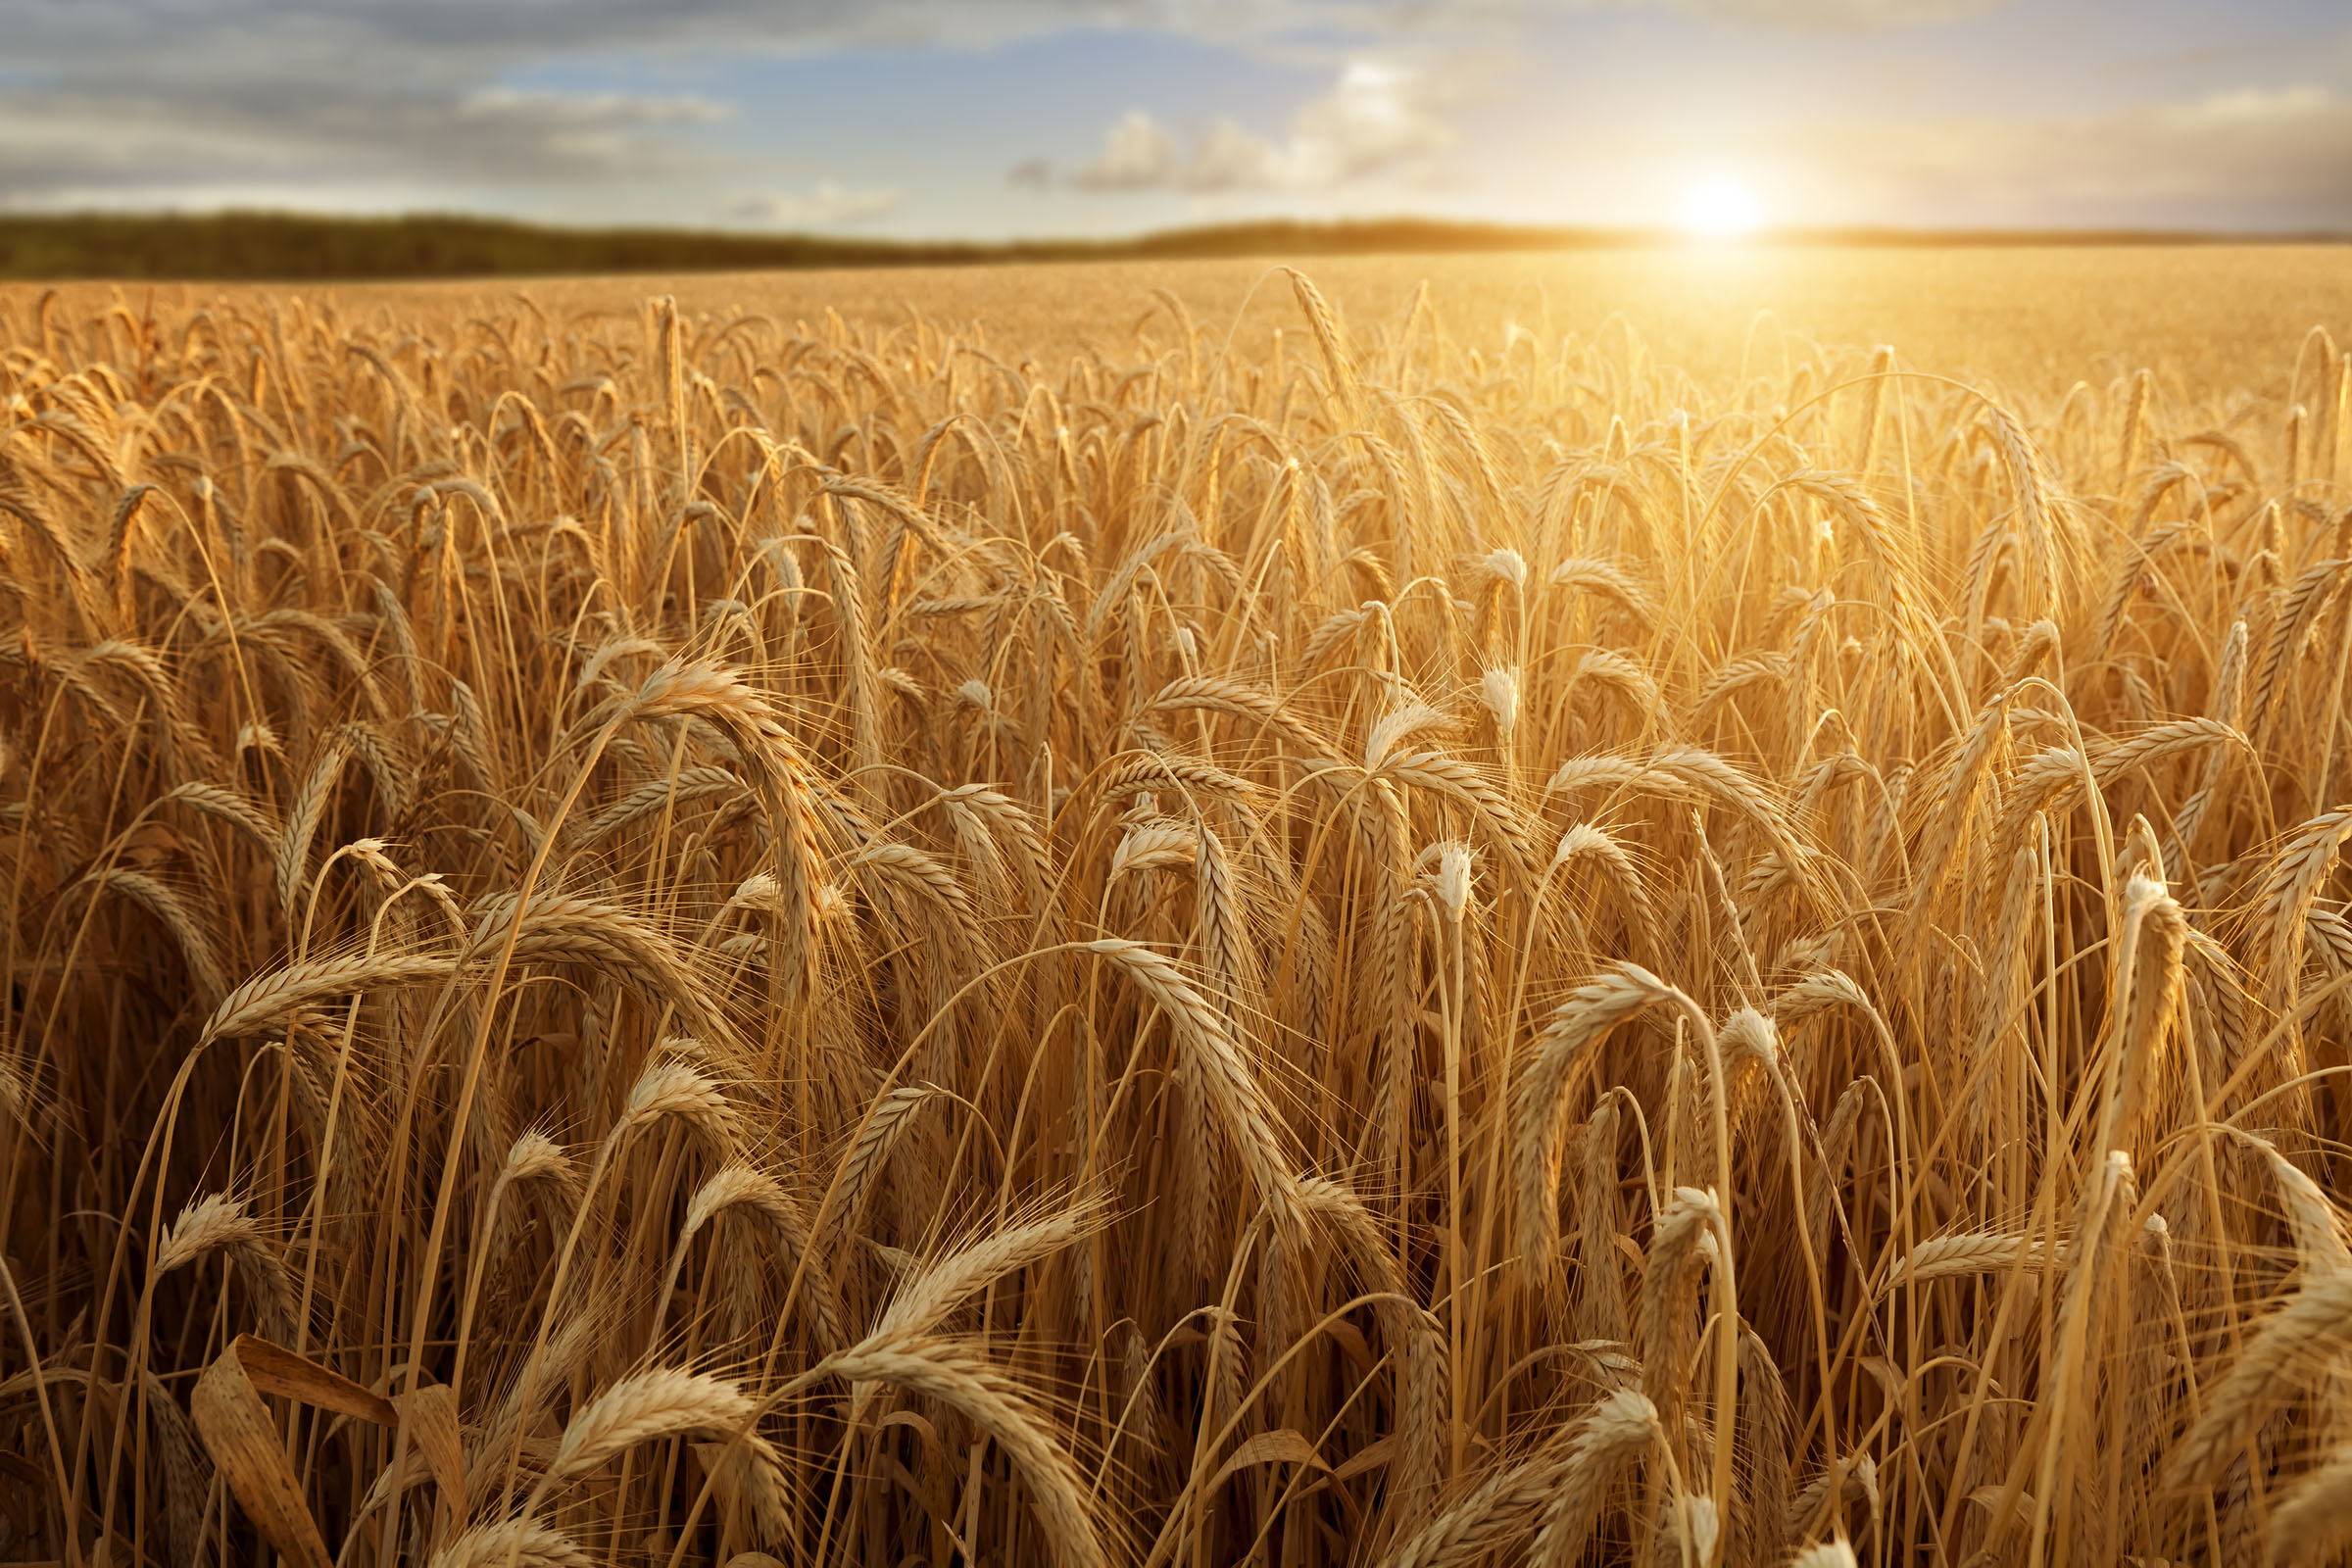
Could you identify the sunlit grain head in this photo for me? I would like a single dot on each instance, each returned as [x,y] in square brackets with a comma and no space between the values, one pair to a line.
[1333,843]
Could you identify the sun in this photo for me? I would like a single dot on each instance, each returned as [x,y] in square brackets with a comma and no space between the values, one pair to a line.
[1720,207]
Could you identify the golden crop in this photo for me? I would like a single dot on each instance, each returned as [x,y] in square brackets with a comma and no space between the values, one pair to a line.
[658,937]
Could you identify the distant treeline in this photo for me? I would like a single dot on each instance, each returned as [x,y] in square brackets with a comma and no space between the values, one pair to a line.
[287,246]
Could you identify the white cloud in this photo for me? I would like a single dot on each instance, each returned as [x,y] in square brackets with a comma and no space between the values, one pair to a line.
[822,207]
[1230,158]
[2245,159]
[1380,117]
[2255,105]
[1137,155]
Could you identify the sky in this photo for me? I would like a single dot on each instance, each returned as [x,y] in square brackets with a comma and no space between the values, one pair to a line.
[997,119]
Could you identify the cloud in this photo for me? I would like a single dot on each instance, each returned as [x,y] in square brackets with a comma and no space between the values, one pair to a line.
[822,206]
[103,147]
[595,111]
[153,42]
[2248,159]
[116,102]
[1818,14]
[1137,155]
[1380,117]
[410,101]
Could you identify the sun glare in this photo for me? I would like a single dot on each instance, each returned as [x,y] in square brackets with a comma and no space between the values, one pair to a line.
[1720,207]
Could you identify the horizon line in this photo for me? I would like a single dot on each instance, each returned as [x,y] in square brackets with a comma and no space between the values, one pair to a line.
[274,244]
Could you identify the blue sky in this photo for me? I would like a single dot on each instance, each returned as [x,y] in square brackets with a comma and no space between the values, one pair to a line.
[1000,118]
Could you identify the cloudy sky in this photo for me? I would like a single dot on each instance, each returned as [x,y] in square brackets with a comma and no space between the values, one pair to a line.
[998,118]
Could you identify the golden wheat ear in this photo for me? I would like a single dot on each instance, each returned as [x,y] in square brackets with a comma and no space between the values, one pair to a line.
[771,930]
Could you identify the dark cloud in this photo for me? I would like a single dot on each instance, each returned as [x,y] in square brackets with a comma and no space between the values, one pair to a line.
[134,100]
[78,143]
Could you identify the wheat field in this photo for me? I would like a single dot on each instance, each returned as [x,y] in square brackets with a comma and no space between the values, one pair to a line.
[661,935]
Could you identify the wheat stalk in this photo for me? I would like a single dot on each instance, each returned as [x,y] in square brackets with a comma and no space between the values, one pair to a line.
[1540,1111]
[842,716]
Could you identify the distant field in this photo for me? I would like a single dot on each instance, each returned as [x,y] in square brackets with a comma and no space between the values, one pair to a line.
[2034,320]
